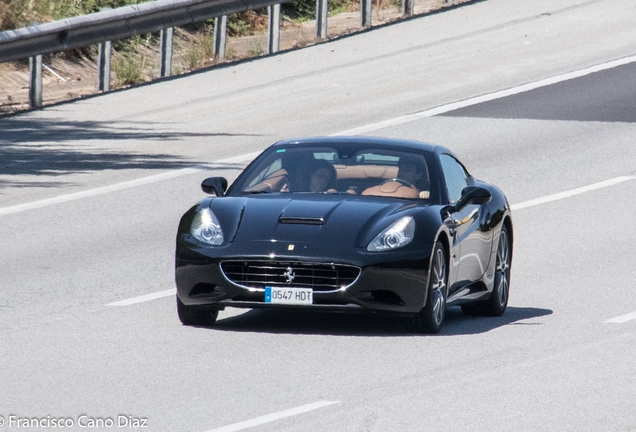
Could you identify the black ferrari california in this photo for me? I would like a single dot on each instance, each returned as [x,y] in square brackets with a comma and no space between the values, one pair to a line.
[349,224]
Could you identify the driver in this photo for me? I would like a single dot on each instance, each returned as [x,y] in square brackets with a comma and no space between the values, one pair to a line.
[411,181]
[410,170]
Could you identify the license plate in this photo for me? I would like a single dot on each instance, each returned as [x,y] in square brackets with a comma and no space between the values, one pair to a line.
[297,296]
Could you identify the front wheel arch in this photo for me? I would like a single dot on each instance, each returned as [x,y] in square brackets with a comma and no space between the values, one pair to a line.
[195,316]
[507,223]
[497,302]
[431,317]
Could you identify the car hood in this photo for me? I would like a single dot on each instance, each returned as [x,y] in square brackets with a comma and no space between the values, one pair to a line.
[346,220]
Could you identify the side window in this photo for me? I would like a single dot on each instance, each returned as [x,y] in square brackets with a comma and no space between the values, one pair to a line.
[265,170]
[455,175]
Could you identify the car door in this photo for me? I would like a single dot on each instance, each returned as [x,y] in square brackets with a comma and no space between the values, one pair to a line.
[471,245]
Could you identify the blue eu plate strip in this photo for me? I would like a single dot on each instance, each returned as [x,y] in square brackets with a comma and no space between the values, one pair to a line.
[268,294]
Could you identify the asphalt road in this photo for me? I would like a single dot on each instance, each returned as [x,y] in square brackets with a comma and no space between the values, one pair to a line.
[91,192]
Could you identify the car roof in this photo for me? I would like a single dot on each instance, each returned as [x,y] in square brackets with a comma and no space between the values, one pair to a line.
[364,141]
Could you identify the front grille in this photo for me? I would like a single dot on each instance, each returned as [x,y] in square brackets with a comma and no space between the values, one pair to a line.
[317,276]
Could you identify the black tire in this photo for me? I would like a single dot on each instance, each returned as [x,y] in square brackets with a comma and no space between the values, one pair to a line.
[195,316]
[498,301]
[430,319]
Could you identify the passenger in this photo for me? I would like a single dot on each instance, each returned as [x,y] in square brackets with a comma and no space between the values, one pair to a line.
[412,171]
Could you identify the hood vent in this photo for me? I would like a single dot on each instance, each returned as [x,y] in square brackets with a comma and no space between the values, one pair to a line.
[301,221]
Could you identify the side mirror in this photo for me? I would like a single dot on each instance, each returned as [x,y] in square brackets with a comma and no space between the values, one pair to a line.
[214,186]
[473,195]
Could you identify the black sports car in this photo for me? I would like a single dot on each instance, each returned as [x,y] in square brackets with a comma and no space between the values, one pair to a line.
[353,224]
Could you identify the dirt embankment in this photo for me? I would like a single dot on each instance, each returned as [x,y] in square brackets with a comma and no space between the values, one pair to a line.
[67,77]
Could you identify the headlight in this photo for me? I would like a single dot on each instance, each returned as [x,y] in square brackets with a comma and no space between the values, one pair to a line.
[206,228]
[397,235]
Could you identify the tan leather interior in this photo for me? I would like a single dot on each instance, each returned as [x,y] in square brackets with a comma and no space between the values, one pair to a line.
[365,171]
[278,181]
[272,183]
[393,189]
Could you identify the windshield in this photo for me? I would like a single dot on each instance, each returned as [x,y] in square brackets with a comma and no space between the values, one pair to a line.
[328,170]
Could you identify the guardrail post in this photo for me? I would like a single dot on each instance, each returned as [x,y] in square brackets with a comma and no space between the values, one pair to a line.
[35,84]
[220,32]
[365,13]
[322,9]
[165,70]
[408,7]
[273,37]
[103,66]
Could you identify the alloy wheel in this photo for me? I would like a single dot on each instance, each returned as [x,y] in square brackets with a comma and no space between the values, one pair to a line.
[502,276]
[438,286]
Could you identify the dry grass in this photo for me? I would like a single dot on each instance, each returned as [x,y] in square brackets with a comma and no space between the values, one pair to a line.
[21,13]
[137,60]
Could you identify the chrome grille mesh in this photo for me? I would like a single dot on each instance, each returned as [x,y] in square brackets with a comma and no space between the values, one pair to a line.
[318,276]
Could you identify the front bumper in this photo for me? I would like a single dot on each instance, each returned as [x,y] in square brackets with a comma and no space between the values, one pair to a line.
[388,282]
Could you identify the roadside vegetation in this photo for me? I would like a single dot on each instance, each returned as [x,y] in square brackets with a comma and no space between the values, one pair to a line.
[136,60]
[131,58]
[21,13]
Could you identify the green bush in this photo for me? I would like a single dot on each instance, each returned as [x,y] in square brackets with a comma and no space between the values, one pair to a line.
[21,13]
[129,71]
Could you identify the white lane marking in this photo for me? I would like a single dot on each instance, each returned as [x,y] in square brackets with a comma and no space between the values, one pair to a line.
[571,193]
[145,298]
[611,182]
[485,98]
[273,417]
[622,319]
[368,128]
[534,202]
[98,191]
[124,185]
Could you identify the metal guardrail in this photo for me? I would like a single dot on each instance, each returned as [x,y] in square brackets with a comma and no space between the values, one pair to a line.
[160,15]
[116,24]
